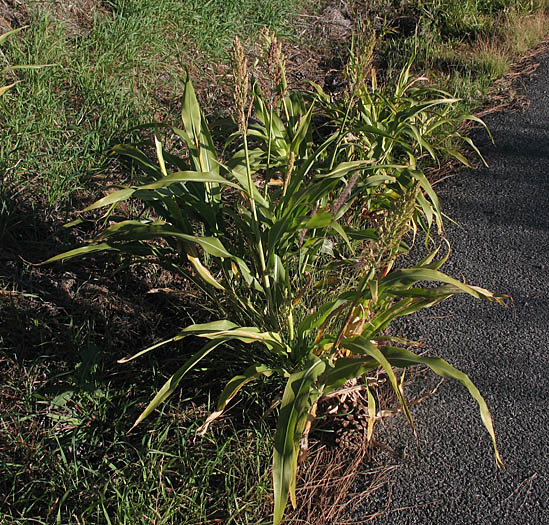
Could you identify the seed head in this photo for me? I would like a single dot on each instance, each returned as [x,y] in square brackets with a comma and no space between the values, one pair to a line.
[241,84]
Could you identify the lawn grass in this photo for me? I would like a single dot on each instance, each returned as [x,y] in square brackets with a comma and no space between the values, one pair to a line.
[65,451]
[117,64]
[66,406]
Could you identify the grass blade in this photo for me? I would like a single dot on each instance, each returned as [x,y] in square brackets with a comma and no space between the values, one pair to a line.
[171,384]
[232,388]
[403,358]
[295,403]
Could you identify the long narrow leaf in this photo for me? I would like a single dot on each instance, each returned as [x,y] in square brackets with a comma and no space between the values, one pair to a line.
[362,345]
[346,368]
[409,276]
[171,384]
[295,403]
[232,388]
[83,250]
[403,358]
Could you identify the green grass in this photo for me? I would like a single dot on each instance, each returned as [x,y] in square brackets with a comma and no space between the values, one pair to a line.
[67,458]
[119,67]
[66,406]
[462,45]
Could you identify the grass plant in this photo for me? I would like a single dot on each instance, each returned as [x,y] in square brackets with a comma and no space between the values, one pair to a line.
[260,234]
[65,402]
[450,39]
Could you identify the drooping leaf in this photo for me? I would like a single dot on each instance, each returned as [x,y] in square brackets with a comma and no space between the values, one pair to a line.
[410,276]
[180,177]
[361,345]
[213,326]
[112,198]
[171,384]
[344,369]
[131,230]
[403,358]
[249,334]
[295,404]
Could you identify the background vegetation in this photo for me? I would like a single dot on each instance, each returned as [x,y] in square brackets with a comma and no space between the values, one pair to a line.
[65,453]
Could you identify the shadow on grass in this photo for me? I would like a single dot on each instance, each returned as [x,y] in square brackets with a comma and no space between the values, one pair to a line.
[67,405]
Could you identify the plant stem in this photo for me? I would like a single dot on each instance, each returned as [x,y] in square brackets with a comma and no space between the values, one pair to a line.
[367,276]
[291,325]
[266,280]
[269,146]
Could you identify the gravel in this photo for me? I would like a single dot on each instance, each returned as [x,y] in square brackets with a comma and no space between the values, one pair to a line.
[448,475]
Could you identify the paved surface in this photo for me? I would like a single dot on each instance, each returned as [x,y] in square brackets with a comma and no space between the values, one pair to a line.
[449,475]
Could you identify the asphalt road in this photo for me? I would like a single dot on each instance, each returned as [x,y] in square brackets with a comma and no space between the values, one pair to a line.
[449,476]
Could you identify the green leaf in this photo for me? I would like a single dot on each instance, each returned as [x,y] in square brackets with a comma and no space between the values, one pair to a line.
[83,250]
[249,334]
[403,358]
[171,384]
[315,319]
[295,404]
[200,143]
[344,168]
[189,176]
[319,220]
[409,276]
[344,369]
[111,198]
[194,329]
[148,349]
[360,345]
[137,230]
[232,388]
[5,36]
[302,131]
[343,234]
[214,326]
[425,184]
[191,113]
[204,272]
[136,154]
[180,177]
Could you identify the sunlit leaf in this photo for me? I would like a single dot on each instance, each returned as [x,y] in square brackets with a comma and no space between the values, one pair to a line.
[295,404]
[403,358]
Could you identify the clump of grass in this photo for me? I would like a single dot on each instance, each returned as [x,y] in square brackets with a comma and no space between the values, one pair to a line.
[65,422]
[293,209]
[119,64]
[522,31]
[463,45]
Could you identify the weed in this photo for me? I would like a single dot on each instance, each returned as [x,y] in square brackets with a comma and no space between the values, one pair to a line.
[262,232]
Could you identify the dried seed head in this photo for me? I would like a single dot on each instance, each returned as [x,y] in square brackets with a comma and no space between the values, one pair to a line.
[241,84]
[359,67]
[273,81]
